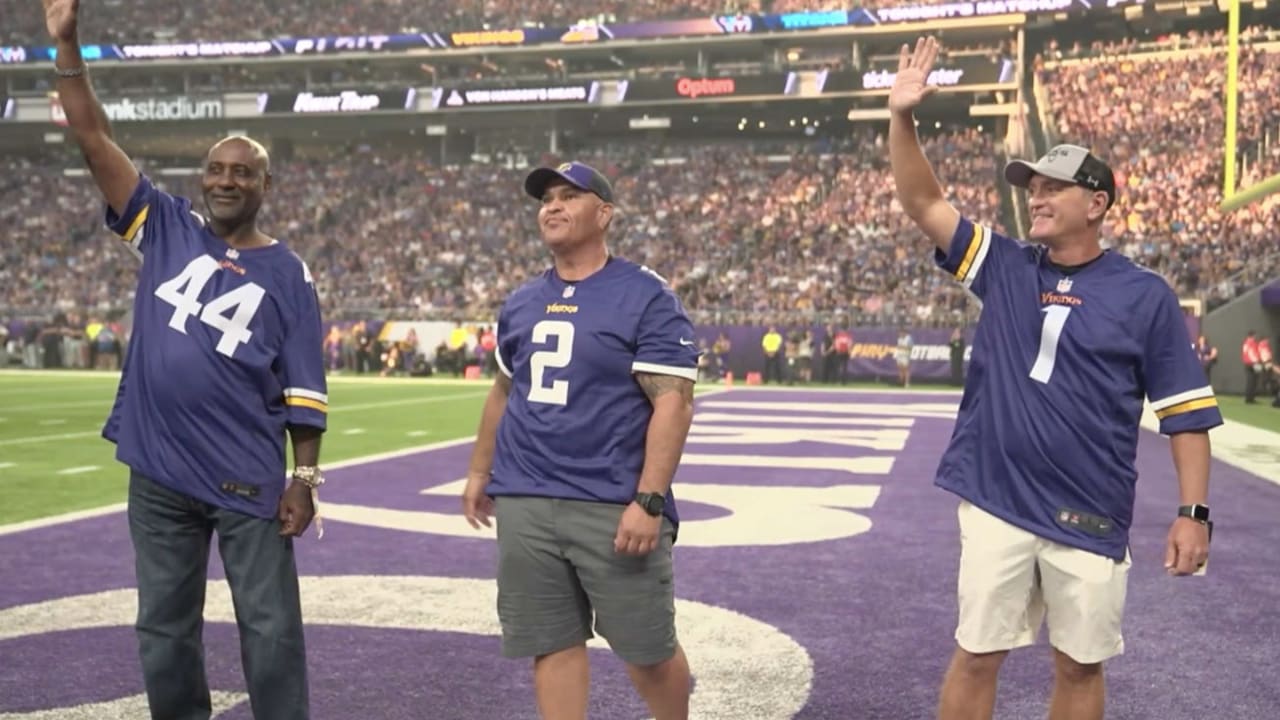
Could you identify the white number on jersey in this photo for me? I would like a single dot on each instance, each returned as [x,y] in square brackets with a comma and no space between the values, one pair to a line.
[183,290]
[560,333]
[1050,332]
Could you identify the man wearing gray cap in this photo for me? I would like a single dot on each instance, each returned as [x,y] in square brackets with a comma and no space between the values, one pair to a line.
[578,443]
[1071,339]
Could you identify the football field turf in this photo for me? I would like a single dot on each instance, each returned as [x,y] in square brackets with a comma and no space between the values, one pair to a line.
[815,571]
[53,458]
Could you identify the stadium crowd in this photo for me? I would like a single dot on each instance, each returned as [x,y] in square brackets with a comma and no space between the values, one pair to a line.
[795,230]
[753,233]
[144,21]
[1160,121]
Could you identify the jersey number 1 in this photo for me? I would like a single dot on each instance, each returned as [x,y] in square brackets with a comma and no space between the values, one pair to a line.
[1050,333]
[181,292]
[560,333]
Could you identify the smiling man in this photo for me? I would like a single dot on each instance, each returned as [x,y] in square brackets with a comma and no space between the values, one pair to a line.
[226,357]
[578,443]
[1071,339]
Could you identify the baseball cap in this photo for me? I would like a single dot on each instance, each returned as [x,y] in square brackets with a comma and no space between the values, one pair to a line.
[583,177]
[1070,163]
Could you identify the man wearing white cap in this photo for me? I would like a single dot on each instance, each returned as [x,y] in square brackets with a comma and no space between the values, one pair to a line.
[1071,339]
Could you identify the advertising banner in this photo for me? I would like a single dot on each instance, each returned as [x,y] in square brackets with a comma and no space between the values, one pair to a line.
[342,101]
[949,73]
[445,98]
[573,34]
[691,88]
[133,109]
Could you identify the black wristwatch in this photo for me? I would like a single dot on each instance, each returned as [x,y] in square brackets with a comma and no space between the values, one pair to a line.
[653,503]
[1195,512]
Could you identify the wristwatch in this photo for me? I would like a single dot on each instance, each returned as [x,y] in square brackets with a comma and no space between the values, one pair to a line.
[311,476]
[308,475]
[653,503]
[1195,512]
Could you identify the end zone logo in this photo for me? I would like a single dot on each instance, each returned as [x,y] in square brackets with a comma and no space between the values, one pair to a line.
[693,88]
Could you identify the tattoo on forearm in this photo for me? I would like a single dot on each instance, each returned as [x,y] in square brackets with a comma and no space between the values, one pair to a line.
[656,385]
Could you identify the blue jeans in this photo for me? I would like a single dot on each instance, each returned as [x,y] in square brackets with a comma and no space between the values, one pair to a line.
[171,533]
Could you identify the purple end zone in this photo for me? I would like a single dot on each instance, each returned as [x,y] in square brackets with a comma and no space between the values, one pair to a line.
[875,611]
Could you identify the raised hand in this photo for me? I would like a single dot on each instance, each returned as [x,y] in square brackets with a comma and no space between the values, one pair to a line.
[910,87]
[60,17]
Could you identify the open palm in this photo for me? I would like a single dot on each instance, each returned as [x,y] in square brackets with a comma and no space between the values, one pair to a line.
[910,86]
[60,18]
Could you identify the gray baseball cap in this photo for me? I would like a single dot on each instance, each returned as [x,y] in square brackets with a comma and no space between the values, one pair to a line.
[1070,163]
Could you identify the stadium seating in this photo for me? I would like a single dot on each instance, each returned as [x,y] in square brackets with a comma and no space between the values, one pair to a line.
[1159,120]
[786,231]
[153,20]
[746,232]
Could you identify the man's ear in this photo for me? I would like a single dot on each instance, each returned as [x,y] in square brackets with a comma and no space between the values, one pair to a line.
[1098,206]
[604,216]
[266,182]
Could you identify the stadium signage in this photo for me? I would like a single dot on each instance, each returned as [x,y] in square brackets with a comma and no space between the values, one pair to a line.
[197,50]
[318,45]
[955,73]
[346,101]
[488,37]
[688,88]
[580,33]
[182,107]
[457,97]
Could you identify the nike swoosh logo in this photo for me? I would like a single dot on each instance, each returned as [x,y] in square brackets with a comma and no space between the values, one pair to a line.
[686,342]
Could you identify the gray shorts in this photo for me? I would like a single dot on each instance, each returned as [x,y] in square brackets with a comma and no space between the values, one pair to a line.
[557,568]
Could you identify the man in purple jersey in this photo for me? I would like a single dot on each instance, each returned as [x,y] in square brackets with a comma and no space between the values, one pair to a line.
[577,447]
[226,357]
[1072,338]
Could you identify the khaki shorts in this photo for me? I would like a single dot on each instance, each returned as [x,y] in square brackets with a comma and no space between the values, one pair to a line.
[1010,580]
[557,571]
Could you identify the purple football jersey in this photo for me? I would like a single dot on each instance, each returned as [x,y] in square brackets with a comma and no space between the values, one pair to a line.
[576,418]
[1048,426]
[226,351]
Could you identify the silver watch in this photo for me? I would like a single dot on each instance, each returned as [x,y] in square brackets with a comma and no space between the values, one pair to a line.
[308,475]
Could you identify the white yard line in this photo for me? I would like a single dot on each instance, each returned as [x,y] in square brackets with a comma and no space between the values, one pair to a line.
[48,438]
[120,507]
[80,470]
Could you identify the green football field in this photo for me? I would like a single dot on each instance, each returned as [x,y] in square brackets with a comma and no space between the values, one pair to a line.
[53,460]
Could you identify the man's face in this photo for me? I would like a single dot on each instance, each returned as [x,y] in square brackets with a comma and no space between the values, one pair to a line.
[1060,208]
[570,216]
[235,181]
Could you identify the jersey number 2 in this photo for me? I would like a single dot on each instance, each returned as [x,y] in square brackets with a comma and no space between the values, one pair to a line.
[181,292]
[1050,333]
[560,333]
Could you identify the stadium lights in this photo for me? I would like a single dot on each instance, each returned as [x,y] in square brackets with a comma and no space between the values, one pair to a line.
[761,124]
